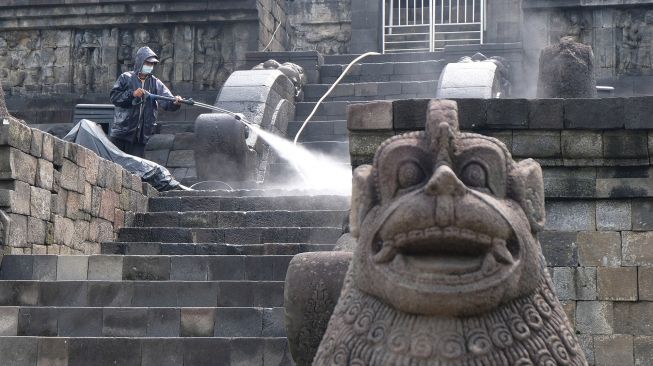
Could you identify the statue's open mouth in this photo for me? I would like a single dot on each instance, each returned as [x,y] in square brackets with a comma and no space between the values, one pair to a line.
[448,256]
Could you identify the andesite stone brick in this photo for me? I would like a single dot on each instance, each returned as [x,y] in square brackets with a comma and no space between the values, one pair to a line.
[594,317]
[633,317]
[44,174]
[642,214]
[617,284]
[47,149]
[625,144]
[17,237]
[599,248]
[16,135]
[20,198]
[545,114]
[36,147]
[570,215]
[582,144]
[637,249]
[611,350]
[15,164]
[559,248]
[370,116]
[536,144]
[40,203]
[643,348]
[645,283]
[36,230]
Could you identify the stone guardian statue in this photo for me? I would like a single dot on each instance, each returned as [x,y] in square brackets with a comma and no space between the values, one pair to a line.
[448,269]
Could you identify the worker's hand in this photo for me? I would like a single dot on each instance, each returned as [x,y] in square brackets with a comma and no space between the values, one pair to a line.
[138,93]
[178,100]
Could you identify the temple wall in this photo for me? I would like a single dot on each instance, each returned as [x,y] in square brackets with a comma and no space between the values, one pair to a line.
[620,35]
[59,197]
[56,55]
[596,155]
[323,26]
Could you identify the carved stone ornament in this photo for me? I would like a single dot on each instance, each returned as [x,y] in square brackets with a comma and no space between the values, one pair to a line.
[448,270]
[292,71]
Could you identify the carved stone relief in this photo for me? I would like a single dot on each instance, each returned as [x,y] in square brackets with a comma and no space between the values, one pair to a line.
[448,269]
[87,61]
[209,63]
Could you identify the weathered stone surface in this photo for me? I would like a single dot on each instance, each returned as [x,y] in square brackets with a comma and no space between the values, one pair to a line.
[370,116]
[614,349]
[594,317]
[546,114]
[44,174]
[633,318]
[575,283]
[582,144]
[623,144]
[637,249]
[617,284]
[408,114]
[536,144]
[197,322]
[36,147]
[570,215]
[15,164]
[17,135]
[36,231]
[47,149]
[599,248]
[404,213]
[559,248]
[566,71]
[19,200]
[312,289]
[509,113]
[642,214]
[40,203]
[181,158]
[613,215]
[604,113]
[645,283]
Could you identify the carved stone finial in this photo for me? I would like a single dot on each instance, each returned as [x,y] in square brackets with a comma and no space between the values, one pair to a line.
[447,269]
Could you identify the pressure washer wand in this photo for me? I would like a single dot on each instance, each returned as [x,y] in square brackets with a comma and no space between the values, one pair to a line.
[190,101]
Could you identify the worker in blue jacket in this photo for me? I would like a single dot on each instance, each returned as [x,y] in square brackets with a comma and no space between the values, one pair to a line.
[135,114]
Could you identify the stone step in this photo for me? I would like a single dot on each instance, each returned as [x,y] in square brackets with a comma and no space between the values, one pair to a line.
[227,219]
[142,322]
[152,248]
[387,57]
[366,72]
[364,91]
[240,235]
[142,293]
[222,203]
[144,351]
[253,192]
[145,267]
[327,111]
[335,130]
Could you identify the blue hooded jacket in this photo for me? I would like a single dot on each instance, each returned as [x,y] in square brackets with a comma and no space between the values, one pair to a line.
[136,123]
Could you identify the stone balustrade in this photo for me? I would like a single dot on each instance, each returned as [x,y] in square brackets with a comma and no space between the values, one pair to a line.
[59,197]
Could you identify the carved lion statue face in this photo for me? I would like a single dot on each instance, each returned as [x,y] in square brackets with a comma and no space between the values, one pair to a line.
[446,221]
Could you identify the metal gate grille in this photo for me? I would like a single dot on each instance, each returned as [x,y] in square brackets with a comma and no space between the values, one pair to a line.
[429,25]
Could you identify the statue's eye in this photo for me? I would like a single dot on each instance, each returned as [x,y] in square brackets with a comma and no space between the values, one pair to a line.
[474,176]
[410,174]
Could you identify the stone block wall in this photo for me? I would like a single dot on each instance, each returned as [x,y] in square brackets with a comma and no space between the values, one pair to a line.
[324,26]
[57,197]
[597,158]
[273,22]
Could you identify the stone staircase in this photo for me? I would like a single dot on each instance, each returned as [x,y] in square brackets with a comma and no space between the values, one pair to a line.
[198,280]
[383,77]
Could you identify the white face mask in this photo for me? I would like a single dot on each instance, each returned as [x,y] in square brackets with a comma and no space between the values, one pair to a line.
[147,69]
